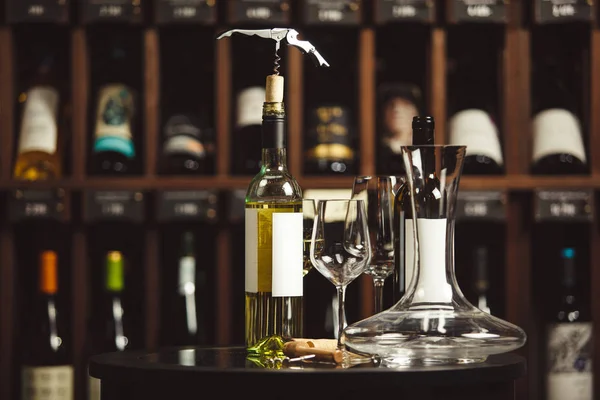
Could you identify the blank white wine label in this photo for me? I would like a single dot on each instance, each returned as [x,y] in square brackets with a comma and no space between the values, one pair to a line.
[569,351]
[249,106]
[47,383]
[39,131]
[557,131]
[432,283]
[94,388]
[476,130]
[251,237]
[288,254]
[409,253]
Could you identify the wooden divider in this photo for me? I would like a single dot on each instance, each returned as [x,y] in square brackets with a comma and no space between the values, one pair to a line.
[151,99]
[7,317]
[6,102]
[80,71]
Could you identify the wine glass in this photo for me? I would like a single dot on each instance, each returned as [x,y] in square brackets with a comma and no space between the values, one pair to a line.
[345,252]
[379,193]
[309,211]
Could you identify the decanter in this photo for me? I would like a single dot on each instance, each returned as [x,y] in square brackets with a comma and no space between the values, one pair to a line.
[433,323]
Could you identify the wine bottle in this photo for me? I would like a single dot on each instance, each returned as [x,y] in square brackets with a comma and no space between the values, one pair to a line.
[480,262]
[40,136]
[185,151]
[183,323]
[569,341]
[423,134]
[47,370]
[329,141]
[475,129]
[399,103]
[113,149]
[247,150]
[557,143]
[274,236]
[110,327]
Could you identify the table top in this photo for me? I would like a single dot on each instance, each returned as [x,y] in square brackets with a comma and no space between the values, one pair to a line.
[193,364]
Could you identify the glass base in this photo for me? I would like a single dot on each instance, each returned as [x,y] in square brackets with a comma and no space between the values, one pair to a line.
[400,362]
[432,336]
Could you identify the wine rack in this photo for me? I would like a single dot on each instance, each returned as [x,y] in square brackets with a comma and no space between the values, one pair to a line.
[414,42]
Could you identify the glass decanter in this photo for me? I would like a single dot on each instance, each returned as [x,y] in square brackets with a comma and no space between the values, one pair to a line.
[433,323]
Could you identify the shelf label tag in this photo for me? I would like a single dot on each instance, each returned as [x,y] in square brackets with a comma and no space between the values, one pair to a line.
[481,205]
[479,11]
[549,11]
[28,204]
[404,10]
[258,11]
[237,205]
[564,205]
[55,11]
[186,11]
[332,12]
[112,11]
[198,205]
[125,205]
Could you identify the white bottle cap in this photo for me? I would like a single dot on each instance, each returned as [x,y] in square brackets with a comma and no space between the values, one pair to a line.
[249,106]
[557,130]
[475,129]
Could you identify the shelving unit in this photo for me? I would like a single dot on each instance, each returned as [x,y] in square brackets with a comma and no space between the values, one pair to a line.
[518,186]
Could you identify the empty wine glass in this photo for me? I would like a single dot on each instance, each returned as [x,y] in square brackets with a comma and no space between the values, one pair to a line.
[309,212]
[345,252]
[378,192]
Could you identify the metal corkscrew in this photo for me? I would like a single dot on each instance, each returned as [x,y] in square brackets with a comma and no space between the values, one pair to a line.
[279,34]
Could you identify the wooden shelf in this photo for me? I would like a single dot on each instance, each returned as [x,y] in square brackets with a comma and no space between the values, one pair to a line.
[508,183]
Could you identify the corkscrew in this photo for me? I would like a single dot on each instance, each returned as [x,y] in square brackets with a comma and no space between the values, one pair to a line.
[280,34]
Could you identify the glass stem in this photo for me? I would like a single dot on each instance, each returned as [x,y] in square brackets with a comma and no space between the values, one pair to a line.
[341,292]
[378,286]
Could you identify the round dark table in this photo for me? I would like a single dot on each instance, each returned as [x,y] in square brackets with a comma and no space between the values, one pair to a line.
[225,373]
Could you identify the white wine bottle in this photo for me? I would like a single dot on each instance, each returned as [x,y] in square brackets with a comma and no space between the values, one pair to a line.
[38,156]
[274,237]
[40,136]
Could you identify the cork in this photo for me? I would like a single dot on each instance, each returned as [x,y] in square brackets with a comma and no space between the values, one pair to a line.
[297,349]
[274,89]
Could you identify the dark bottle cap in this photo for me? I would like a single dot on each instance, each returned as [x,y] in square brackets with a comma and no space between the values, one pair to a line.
[423,130]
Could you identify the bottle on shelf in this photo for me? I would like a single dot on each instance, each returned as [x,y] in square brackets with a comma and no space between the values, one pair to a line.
[47,368]
[475,129]
[423,134]
[330,137]
[247,132]
[399,103]
[558,147]
[110,328]
[569,340]
[480,263]
[274,236]
[557,128]
[41,132]
[183,324]
[186,147]
[113,147]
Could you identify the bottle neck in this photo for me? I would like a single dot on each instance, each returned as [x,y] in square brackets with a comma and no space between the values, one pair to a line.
[423,136]
[569,279]
[274,155]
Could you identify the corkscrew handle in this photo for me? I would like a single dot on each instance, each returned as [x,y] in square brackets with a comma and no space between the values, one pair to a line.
[279,34]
